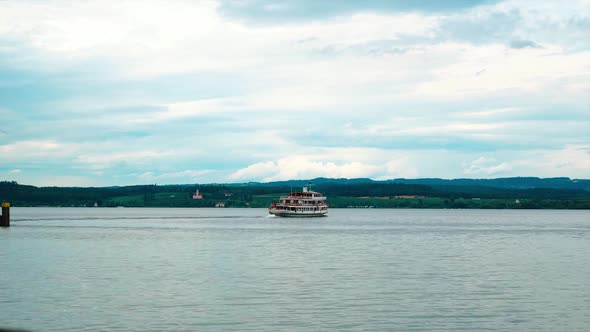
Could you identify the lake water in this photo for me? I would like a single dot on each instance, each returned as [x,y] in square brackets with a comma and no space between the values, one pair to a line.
[95,269]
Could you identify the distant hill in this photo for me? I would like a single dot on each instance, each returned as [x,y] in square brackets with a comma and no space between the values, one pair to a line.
[511,183]
[508,183]
[519,192]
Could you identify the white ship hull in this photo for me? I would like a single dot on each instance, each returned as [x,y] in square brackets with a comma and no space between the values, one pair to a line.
[290,213]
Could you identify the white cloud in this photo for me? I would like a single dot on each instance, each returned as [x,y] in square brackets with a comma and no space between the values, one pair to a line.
[301,167]
[399,168]
[186,176]
[188,109]
[177,37]
[529,70]
[312,166]
[33,150]
[141,41]
[106,160]
[484,166]
[572,160]
[485,113]
[38,146]
[359,95]
[258,171]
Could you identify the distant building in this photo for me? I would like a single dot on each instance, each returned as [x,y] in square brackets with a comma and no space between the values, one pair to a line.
[408,196]
[219,204]
[516,201]
[228,194]
[197,195]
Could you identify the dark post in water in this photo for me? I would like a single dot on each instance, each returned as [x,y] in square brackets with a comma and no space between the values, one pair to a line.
[5,219]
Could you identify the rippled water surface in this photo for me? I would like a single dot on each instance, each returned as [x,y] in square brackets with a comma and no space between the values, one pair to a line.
[127,269]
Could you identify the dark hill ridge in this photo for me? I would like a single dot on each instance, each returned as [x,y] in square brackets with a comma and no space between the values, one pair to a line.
[537,193]
[512,183]
[509,183]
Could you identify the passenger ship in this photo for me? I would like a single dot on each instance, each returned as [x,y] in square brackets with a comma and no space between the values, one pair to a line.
[306,203]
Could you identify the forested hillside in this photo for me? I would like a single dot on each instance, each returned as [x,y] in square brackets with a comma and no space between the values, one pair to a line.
[340,193]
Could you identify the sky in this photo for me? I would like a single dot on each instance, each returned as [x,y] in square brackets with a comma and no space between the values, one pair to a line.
[101,93]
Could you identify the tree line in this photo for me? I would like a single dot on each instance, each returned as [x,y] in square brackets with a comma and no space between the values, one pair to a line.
[376,194]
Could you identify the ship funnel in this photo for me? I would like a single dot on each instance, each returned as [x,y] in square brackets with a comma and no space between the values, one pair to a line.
[304,189]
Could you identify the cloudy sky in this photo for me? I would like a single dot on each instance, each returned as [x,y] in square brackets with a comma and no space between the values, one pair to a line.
[97,93]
